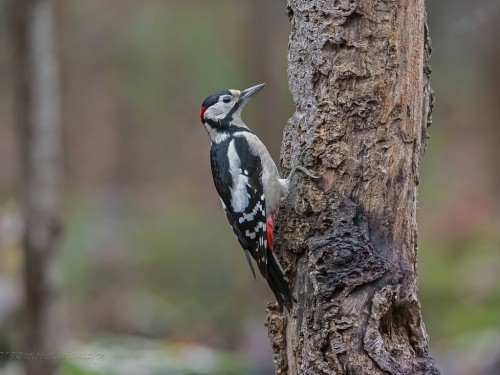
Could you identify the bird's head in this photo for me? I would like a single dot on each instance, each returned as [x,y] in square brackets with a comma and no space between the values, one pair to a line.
[223,108]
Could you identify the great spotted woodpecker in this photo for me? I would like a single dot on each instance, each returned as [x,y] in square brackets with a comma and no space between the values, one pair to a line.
[248,183]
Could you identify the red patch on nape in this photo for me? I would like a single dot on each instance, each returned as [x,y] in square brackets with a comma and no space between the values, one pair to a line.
[202,112]
[269,231]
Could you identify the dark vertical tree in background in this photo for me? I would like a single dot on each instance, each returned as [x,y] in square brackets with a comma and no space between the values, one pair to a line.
[359,76]
[37,122]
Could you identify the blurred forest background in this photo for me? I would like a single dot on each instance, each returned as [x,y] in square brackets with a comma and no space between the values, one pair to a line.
[149,272]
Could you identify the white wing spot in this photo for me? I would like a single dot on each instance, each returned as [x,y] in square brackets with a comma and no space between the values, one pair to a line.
[250,216]
[239,194]
[250,235]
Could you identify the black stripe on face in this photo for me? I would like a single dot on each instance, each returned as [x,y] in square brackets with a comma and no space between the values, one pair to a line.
[220,126]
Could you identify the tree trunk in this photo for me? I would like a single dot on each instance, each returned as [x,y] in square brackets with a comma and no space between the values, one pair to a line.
[39,133]
[359,76]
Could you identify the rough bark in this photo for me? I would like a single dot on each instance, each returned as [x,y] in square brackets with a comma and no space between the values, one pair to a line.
[359,76]
[39,134]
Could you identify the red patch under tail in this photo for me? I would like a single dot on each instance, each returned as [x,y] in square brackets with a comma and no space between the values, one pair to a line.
[269,230]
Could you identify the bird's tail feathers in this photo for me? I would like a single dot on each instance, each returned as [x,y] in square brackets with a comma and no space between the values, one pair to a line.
[277,282]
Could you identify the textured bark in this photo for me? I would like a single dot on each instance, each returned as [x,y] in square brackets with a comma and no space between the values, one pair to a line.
[359,76]
[39,133]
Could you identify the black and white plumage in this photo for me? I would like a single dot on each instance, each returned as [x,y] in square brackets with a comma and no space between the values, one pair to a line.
[248,183]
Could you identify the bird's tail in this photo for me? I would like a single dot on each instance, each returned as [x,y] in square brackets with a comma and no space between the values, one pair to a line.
[277,282]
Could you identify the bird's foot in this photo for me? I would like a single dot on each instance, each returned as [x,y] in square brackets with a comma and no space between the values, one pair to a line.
[300,168]
[306,171]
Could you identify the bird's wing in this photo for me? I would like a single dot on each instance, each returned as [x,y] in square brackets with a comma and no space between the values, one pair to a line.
[240,188]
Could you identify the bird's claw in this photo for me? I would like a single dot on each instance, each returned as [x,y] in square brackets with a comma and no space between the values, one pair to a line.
[306,171]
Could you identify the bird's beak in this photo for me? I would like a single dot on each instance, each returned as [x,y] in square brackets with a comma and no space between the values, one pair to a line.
[251,91]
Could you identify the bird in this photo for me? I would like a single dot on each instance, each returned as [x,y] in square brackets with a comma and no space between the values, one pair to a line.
[248,183]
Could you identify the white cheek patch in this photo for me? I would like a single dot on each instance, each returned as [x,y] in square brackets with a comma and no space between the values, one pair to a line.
[218,111]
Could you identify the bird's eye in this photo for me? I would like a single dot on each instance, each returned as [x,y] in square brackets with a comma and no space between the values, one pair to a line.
[226,99]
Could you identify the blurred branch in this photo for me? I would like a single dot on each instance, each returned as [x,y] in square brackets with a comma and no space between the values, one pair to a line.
[39,133]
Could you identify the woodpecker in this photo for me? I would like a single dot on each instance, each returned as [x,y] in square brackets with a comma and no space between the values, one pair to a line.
[248,183]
